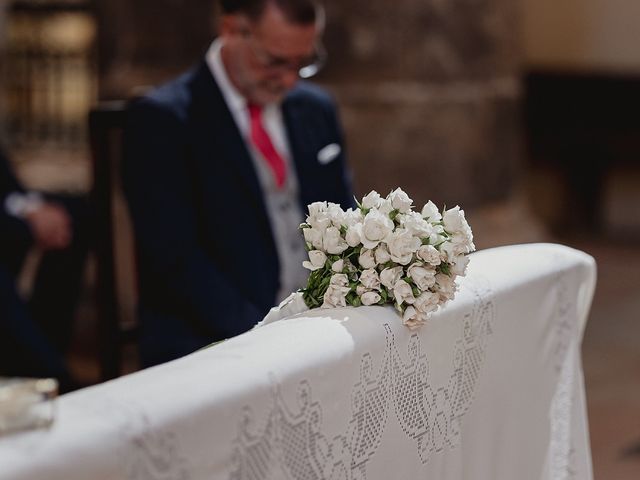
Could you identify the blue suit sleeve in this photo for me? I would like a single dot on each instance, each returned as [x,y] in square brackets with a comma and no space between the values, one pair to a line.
[158,186]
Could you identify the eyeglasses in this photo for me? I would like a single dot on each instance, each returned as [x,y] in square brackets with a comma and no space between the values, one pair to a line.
[305,68]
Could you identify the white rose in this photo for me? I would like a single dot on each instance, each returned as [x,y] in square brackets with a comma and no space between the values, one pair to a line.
[353,236]
[459,267]
[313,236]
[335,296]
[335,214]
[338,266]
[453,219]
[417,225]
[456,224]
[455,247]
[424,278]
[318,217]
[339,280]
[333,242]
[317,208]
[370,279]
[366,259]
[361,289]
[385,207]
[372,200]
[412,318]
[402,245]
[352,217]
[390,276]
[375,227]
[370,298]
[431,212]
[403,292]
[400,200]
[382,254]
[429,254]
[463,242]
[427,302]
[446,287]
[317,260]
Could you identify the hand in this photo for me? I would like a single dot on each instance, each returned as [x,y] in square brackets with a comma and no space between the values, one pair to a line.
[51,226]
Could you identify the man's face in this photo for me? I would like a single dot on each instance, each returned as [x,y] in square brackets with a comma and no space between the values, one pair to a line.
[263,57]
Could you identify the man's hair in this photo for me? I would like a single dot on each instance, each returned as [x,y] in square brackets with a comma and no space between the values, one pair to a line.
[296,11]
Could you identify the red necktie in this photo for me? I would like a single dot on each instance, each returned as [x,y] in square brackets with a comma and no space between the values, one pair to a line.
[261,140]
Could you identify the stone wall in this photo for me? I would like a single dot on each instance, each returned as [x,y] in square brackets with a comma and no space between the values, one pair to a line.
[430,95]
[145,42]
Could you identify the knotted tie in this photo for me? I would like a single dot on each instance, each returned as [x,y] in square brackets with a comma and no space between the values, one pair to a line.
[262,142]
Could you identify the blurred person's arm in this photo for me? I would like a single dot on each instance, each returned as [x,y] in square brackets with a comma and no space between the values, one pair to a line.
[48,223]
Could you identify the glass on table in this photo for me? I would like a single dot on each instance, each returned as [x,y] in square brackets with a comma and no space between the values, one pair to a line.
[27,403]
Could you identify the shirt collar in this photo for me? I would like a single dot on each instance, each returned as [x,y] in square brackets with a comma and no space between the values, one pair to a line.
[232,96]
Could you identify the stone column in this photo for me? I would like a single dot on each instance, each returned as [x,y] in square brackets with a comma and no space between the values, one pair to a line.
[430,95]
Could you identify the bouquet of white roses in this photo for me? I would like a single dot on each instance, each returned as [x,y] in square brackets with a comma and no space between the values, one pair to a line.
[383,252]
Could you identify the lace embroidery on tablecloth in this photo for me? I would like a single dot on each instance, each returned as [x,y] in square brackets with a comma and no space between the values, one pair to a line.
[561,450]
[565,356]
[564,323]
[145,451]
[290,444]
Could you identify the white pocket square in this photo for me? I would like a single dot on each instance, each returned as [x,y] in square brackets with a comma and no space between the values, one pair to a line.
[329,153]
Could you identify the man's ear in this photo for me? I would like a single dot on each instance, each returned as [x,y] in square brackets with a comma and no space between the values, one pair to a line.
[232,25]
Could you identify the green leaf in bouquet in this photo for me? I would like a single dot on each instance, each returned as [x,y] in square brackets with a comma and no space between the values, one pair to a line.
[310,300]
[445,268]
[352,251]
[394,213]
[384,295]
[353,299]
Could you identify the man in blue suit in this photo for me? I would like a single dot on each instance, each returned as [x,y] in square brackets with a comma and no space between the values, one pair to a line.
[219,167]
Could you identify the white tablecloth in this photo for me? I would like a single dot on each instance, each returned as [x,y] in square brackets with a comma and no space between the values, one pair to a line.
[490,389]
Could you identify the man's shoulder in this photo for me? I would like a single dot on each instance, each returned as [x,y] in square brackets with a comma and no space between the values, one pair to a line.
[173,97]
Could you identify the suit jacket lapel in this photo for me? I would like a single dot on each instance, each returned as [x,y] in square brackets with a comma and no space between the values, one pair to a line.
[216,134]
[214,120]
[302,148]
